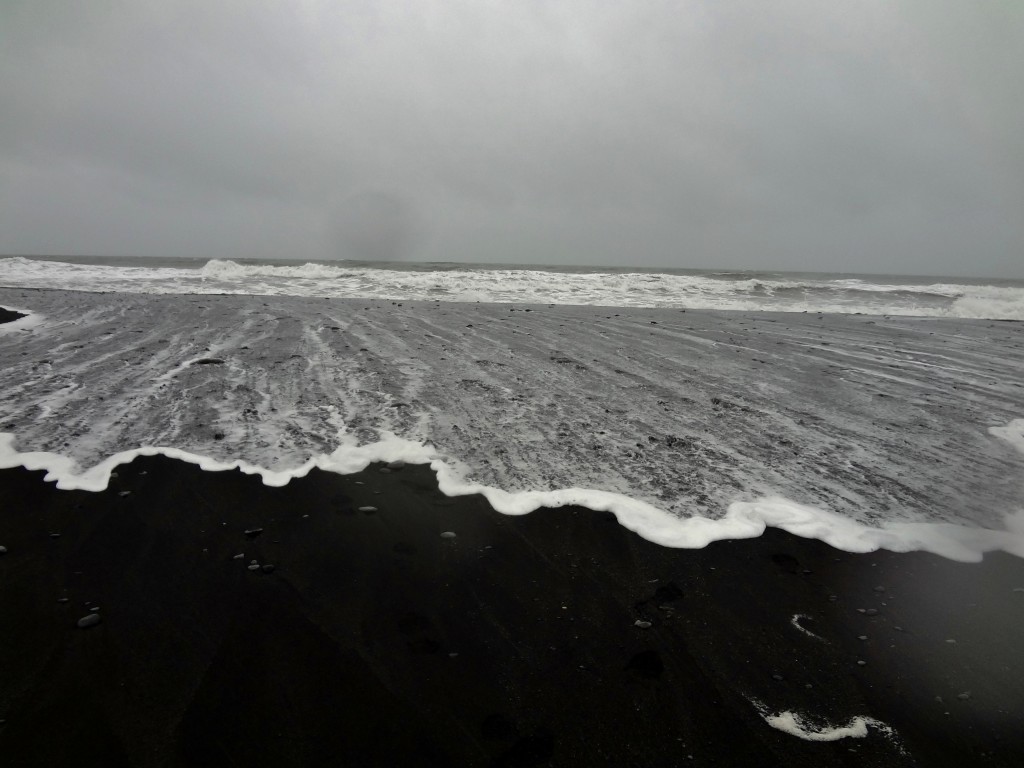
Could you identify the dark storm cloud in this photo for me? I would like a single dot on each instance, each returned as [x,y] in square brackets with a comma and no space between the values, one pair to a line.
[857,136]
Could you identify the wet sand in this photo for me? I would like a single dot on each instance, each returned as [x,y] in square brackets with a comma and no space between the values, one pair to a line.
[376,641]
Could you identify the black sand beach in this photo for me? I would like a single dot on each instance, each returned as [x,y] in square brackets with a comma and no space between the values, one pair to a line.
[376,641]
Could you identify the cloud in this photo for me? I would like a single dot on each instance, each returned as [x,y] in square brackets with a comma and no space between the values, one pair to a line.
[800,135]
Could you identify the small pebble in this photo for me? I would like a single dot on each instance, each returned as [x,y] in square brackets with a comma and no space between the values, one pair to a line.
[777,677]
[384,471]
[253,567]
[951,641]
[268,568]
[642,624]
[861,663]
[54,535]
[879,589]
[367,509]
[964,696]
[448,535]
[63,600]
[252,533]
[89,621]
[124,493]
[871,612]
[239,556]
[398,464]
[862,637]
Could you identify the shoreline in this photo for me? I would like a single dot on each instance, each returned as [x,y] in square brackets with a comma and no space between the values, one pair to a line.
[344,651]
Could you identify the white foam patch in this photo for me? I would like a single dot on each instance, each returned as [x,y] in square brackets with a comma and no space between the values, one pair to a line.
[1013,433]
[743,520]
[795,621]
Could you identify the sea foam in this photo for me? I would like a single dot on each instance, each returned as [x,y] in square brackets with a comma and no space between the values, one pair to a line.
[742,520]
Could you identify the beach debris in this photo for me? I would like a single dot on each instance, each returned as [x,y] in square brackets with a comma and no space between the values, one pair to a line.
[252,533]
[368,510]
[448,535]
[89,621]
[641,624]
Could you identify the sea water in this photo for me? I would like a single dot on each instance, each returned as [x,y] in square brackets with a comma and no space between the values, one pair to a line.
[561,387]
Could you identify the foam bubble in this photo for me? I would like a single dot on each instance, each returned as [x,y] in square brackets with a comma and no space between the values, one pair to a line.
[744,519]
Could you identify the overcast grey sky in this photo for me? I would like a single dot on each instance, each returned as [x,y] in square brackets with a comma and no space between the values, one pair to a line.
[863,135]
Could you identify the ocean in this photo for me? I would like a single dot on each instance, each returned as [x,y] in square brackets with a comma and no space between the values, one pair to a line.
[866,411]
[591,286]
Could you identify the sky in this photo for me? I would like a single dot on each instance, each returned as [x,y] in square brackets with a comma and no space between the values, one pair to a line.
[856,136]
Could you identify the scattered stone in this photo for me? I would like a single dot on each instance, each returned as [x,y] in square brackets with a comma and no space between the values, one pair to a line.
[861,610]
[871,612]
[951,641]
[448,535]
[862,637]
[861,663]
[396,465]
[305,516]
[1018,589]
[253,566]
[252,533]
[54,535]
[964,696]
[368,510]
[268,568]
[833,598]
[122,494]
[3,550]
[239,556]
[89,621]
[898,629]
[777,678]
[384,471]
[63,600]
[94,609]
[642,624]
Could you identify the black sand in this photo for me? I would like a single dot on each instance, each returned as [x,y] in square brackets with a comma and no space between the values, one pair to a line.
[376,641]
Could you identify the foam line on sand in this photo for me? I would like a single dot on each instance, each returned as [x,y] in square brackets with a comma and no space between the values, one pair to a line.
[743,519]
